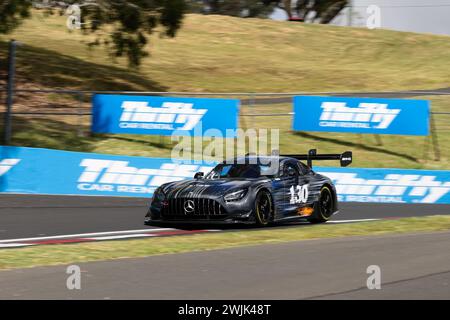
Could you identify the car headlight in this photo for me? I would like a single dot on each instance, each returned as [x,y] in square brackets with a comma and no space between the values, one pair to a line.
[236,195]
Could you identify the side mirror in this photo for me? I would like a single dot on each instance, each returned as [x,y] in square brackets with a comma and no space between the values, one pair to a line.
[199,175]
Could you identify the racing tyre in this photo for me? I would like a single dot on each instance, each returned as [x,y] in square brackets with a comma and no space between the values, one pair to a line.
[263,208]
[324,206]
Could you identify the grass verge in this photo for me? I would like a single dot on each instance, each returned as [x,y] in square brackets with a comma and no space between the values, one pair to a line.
[84,252]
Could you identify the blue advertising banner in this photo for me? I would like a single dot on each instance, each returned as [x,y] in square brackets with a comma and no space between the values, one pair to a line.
[44,171]
[361,115]
[164,115]
[390,185]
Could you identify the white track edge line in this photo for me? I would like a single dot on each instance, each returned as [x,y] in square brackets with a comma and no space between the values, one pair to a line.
[95,234]
[126,236]
[85,235]
[355,220]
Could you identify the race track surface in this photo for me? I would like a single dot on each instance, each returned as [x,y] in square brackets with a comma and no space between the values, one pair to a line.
[414,266]
[24,216]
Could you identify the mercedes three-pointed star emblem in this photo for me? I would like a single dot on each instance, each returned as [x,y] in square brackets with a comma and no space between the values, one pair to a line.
[189,206]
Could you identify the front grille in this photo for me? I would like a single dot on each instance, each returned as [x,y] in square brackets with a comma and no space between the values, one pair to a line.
[203,208]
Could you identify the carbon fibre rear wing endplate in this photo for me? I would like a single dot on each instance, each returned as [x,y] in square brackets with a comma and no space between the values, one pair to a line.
[344,158]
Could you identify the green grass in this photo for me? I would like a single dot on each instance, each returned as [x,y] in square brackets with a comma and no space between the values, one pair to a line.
[77,253]
[226,54]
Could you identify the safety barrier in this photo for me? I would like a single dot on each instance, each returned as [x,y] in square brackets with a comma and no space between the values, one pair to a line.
[71,111]
[46,171]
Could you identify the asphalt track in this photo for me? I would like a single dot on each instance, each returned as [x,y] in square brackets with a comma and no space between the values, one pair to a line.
[24,216]
[413,266]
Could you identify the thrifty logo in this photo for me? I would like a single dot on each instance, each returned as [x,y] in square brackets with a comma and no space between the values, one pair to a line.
[118,176]
[393,188]
[7,164]
[366,115]
[138,115]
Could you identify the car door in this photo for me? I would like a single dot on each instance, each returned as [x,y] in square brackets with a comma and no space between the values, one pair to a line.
[292,188]
[305,181]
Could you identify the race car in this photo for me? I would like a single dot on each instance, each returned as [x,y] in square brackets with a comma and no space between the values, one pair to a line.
[252,189]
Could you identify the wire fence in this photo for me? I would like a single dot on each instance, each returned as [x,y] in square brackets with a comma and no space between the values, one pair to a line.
[70,110]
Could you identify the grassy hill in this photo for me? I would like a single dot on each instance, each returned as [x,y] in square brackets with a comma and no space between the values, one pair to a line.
[225,54]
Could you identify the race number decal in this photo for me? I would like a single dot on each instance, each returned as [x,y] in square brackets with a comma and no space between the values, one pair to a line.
[299,194]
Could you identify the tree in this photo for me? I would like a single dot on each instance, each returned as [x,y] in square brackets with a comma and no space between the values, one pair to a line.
[131,21]
[12,12]
[321,11]
[236,8]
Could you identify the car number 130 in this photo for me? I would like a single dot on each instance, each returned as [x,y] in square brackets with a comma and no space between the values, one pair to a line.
[299,194]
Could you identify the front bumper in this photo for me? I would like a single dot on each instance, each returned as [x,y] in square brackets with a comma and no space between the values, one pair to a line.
[204,211]
[227,221]
[154,216]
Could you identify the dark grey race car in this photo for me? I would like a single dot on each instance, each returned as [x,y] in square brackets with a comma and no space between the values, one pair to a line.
[251,189]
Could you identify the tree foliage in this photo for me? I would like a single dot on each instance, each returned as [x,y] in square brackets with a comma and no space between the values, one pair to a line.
[321,11]
[12,12]
[129,22]
[236,8]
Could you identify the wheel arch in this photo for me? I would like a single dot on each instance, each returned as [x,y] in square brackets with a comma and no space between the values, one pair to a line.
[265,188]
[272,198]
[332,188]
[262,187]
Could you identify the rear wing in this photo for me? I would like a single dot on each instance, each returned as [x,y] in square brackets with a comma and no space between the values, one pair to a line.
[344,158]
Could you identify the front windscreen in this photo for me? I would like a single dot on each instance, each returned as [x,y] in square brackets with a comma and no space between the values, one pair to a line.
[241,171]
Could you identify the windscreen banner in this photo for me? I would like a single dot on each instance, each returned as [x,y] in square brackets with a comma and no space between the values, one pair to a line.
[45,171]
[164,115]
[361,115]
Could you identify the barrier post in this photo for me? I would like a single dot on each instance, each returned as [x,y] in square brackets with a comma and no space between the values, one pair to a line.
[251,104]
[10,91]
[434,139]
[80,132]
[378,140]
[242,123]
[425,147]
